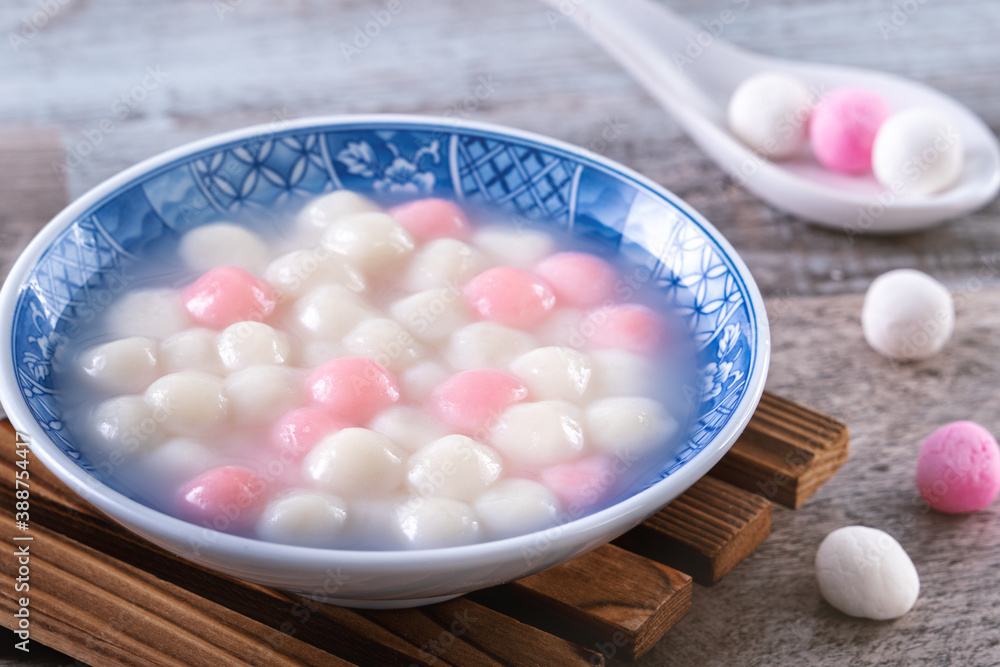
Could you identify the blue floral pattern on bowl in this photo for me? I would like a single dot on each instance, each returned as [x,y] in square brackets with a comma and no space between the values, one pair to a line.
[392,160]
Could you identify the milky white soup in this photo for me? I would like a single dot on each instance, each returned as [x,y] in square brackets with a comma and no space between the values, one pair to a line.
[360,378]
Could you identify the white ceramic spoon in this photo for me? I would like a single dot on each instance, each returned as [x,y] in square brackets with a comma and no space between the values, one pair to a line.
[692,74]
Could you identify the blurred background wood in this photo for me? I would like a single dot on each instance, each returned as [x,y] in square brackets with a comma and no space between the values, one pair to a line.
[121,80]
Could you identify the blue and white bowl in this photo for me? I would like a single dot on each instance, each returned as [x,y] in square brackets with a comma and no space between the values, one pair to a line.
[71,270]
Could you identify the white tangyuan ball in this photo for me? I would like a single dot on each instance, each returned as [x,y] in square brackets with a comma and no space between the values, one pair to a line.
[408,426]
[629,425]
[303,518]
[918,152]
[456,466]
[295,273]
[321,213]
[330,311]
[177,461]
[907,315]
[419,381]
[554,373]
[356,463]
[620,373]
[540,434]
[246,344]
[444,263]
[428,523]
[262,393]
[193,349]
[221,244]
[370,241]
[122,366]
[432,314]
[516,506]
[865,572]
[156,313]
[318,352]
[126,424]
[190,402]
[386,342]
[769,113]
[520,248]
[486,345]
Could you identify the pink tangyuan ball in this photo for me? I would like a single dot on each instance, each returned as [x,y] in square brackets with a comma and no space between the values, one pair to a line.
[226,295]
[352,389]
[958,469]
[578,278]
[469,401]
[510,297]
[429,219]
[226,498]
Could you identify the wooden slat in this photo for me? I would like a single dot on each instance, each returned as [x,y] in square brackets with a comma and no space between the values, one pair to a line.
[611,600]
[786,452]
[705,532]
[102,611]
[403,637]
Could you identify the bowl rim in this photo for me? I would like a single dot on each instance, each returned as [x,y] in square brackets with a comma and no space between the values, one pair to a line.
[585,528]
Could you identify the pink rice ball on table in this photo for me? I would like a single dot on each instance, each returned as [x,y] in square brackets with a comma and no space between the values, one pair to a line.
[429,219]
[630,327]
[226,295]
[578,278]
[842,129]
[510,297]
[352,389]
[226,498]
[298,430]
[468,401]
[958,469]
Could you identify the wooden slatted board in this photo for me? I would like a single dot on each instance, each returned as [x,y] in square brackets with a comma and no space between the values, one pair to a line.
[108,597]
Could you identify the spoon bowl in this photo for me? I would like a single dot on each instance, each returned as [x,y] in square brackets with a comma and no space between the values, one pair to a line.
[693,74]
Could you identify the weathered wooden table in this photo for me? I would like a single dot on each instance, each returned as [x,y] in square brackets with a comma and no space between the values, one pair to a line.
[123,80]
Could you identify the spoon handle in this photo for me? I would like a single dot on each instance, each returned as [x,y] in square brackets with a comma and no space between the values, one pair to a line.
[666,54]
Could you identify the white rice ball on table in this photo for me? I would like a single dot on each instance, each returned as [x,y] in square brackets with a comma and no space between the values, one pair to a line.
[222,244]
[486,345]
[554,373]
[295,273]
[769,113]
[444,263]
[319,214]
[156,313]
[515,507]
[261,393]
[246,344]
[122,366]
[432,315]
[419,381]
[918,152]
[540,434]
[408,426]
[865,572]
[194,349]
[330,311]
[127,424]
[907,315]
[429,523]
[629,425]
[372,242]
[520,248]
[190,402]
[356,463]
[386,342]
[454,466]
[303,518]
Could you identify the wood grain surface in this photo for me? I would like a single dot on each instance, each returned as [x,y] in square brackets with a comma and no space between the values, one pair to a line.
[270,59]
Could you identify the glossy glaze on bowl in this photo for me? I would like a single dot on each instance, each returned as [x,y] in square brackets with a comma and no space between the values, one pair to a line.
[69,272]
